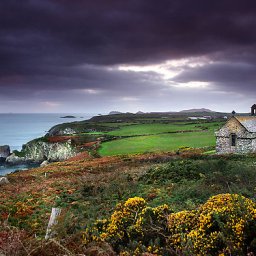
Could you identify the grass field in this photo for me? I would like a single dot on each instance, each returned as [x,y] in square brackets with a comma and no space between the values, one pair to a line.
[157,143]
[129,133]
[145,129]
[159,137]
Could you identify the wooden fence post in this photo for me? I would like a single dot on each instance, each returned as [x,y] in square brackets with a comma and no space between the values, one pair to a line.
[53,220]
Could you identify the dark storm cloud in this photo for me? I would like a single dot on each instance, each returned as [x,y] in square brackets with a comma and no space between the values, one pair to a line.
[229,76]
[220,72]
[110,32]
[62,45]
[83,77]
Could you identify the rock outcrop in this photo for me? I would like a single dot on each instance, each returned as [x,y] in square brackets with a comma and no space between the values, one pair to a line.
[3,180]
[15,160]
[40,151]
[44,163]
[37,151]
[4,152]
[59,131]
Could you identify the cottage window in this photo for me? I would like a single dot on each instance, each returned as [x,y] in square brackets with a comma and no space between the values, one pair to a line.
[233,140]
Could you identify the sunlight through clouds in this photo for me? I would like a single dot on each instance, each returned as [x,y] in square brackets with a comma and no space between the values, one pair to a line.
[168,70]
[192,84]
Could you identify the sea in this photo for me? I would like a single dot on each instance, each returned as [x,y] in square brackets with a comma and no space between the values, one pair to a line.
[18,129]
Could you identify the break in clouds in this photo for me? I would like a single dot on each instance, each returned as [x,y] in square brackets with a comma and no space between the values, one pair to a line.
[97,56]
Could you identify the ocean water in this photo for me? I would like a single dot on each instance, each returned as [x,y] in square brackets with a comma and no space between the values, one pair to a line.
[8,169]
[18,129]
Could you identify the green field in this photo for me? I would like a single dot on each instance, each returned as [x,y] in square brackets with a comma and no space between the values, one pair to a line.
[130,133]
[157,128]
[159,137]
[155,143]
[145,129]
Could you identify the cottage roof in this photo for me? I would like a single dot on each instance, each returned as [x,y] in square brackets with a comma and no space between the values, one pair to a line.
[249,122]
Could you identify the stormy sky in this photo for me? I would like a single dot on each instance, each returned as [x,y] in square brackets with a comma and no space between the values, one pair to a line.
[94,56]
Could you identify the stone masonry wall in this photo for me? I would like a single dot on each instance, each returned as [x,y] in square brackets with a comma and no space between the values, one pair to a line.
[245,142]
[223,145]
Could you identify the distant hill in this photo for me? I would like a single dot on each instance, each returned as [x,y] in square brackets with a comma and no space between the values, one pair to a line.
[114,112]
[195,110]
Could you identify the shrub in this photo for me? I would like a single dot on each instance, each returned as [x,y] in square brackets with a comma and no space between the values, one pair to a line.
[132,225]
[11,240]
[224,225]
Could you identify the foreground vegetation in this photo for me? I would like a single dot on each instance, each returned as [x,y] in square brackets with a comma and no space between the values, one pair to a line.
[181,202]
[163,204]
[224,225]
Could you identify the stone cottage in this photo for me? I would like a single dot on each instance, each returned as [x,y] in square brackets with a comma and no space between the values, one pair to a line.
[238,135]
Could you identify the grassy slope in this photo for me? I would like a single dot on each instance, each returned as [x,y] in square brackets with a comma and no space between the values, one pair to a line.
[143,129]
[156,143]
[156,133]
[161,138]
[89,189]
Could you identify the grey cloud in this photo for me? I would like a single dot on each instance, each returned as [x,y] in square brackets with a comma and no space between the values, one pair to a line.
[55,47]
[237,77]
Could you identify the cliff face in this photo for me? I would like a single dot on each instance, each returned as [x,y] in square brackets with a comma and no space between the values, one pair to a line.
[38,151]
[4,152]
[60,131]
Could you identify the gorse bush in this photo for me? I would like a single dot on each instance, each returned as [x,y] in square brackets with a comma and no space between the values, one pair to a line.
[224,225]
[132,224]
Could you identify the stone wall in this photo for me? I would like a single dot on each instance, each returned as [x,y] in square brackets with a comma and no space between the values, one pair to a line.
[245,141]
[232,126]
[223,145]
[243,145]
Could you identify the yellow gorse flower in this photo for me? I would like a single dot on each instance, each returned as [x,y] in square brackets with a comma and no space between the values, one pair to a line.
[221,226]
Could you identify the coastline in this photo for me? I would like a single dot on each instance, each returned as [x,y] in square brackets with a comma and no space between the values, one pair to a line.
[7,169]
[18,129]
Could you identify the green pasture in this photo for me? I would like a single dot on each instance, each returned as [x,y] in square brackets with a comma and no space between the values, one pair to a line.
[146,129]
[158,142]
[116,124]
[157,128]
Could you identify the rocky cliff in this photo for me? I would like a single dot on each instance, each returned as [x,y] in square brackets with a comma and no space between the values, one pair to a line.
[4,152]
[39,151]
[49,151]
[59,130]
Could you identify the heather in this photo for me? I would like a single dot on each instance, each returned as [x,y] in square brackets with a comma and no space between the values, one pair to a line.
[104,198]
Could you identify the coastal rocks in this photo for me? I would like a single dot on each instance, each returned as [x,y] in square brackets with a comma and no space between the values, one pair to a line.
[40,151]
[3,180]
[68,131]
[57,131]
[4,152]
[37,151]
[44,163]
[15,160]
